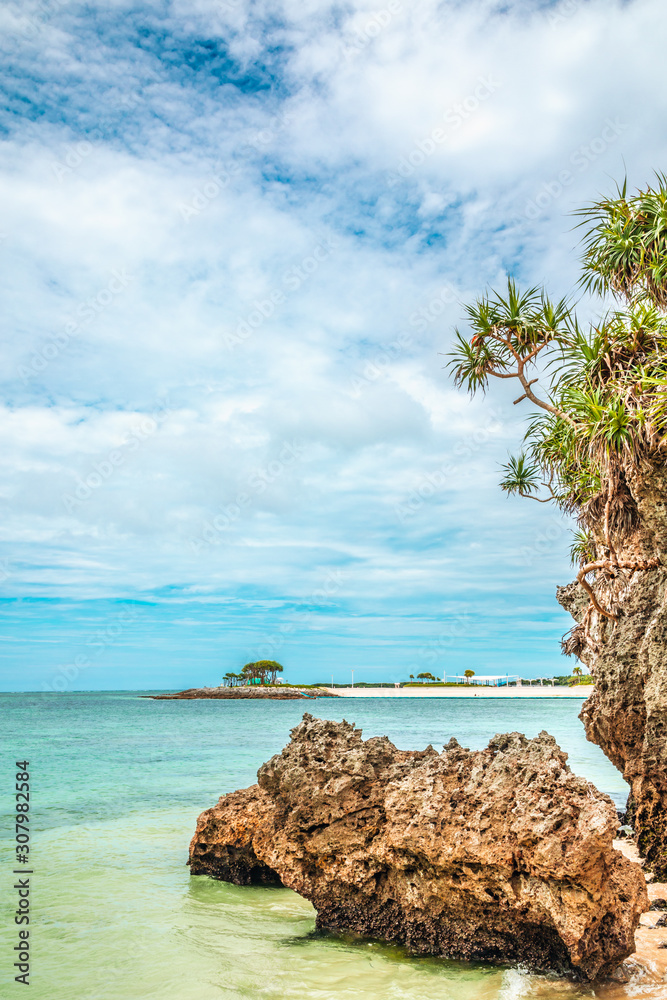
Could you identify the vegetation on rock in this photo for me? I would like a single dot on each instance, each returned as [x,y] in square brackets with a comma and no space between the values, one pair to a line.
[602,414]
[597,448]
[259,672]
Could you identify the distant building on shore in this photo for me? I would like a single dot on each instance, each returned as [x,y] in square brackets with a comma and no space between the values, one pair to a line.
[490,680]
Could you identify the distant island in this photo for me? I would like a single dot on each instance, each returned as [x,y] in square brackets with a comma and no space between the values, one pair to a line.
[289,692]
[259,680]
[282,693]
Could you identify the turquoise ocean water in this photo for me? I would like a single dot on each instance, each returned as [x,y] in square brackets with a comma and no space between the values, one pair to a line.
[117,783]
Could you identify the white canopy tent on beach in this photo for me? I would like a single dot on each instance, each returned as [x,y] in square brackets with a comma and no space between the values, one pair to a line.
[489,679]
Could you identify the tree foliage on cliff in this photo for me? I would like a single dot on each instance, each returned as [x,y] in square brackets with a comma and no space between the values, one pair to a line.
[602,410]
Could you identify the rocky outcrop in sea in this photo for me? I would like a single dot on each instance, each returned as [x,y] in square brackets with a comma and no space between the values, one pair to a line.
[499,855]
[241,693]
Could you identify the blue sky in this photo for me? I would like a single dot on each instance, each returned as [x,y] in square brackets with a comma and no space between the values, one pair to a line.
[235,240]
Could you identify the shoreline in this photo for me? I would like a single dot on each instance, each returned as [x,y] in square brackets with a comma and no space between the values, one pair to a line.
[264,693]
[581,691]
[649,958]
[280,693]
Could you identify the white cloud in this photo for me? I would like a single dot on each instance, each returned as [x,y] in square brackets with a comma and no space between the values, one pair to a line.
[281,142]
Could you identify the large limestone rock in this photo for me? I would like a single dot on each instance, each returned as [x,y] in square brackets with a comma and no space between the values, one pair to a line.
[500,855]
[627,713]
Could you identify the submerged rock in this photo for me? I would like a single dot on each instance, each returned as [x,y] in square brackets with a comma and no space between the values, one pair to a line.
[498,855]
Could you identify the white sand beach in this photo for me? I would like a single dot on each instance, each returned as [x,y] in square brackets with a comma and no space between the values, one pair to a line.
[581,691]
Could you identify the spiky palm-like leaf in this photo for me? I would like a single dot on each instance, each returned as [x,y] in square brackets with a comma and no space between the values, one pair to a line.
[582,549]
[603,408]
[472,361]
[625,244]
[521,477]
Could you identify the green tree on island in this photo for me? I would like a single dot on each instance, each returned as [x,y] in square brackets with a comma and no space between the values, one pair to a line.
[250,673]
[233,680]
[270,667]
[468,674]
[262,672]
[601,415]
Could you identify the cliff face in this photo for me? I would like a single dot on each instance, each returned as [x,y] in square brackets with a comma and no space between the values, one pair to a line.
[500,855]
[627,713]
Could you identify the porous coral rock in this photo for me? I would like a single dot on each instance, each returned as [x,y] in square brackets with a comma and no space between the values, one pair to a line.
[626,715]
[501,854]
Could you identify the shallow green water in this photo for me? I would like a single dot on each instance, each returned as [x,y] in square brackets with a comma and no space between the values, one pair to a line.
[117,783]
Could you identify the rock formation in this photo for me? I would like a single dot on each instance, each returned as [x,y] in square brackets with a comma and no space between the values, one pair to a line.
[240,693]
[627,713]
[500,855]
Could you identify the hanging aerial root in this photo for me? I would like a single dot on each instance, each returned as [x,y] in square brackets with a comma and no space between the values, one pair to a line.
[610,566]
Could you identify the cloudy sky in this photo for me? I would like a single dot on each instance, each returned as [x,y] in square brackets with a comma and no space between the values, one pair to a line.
[236,236]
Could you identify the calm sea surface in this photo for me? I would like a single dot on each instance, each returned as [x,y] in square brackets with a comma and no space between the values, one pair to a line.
[117,783]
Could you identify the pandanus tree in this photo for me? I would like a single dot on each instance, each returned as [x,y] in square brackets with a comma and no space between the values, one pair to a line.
[598,389]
